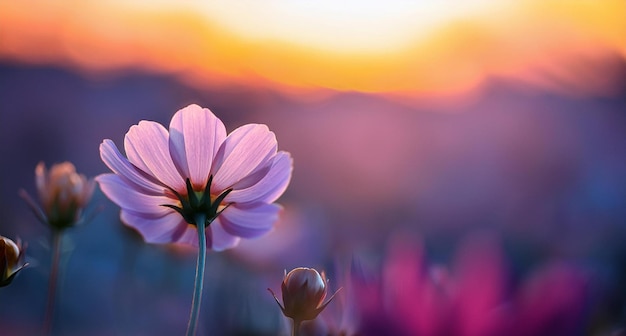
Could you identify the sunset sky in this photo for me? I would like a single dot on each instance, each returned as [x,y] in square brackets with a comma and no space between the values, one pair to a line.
[417,49]
[422,119]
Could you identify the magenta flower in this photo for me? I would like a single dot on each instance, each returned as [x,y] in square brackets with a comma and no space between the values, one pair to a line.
[471,298]
[195,168]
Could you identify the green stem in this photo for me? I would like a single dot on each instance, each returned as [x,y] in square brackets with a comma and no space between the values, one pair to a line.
[52,283]
[296,327]
[197,289]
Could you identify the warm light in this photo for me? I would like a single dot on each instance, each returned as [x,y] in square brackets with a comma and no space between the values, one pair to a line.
[349,26]
[411,48]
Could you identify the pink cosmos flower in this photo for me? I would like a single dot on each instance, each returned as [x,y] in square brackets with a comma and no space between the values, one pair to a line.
[170,177]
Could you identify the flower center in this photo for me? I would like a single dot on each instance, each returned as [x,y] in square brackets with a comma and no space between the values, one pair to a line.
[200,202]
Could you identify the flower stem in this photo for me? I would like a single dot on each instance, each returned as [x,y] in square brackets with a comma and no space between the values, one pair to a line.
[52,282]
[296,327]
[197,289]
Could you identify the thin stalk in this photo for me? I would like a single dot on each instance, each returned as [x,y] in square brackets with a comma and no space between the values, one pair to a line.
[52,282]
[296,327]
[197,289]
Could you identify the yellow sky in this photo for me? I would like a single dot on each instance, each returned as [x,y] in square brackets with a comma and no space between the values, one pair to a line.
[412,48]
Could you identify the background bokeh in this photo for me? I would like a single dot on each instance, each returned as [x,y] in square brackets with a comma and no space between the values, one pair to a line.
[489,116]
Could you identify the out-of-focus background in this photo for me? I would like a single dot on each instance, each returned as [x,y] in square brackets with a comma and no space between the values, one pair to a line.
[435,120]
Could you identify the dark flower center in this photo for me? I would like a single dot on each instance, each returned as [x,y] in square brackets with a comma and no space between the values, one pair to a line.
[195,203]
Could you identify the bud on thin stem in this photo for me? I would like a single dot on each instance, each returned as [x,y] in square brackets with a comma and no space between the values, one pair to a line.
[304,291]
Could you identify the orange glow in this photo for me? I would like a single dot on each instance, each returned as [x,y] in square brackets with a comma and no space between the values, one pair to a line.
[569,46]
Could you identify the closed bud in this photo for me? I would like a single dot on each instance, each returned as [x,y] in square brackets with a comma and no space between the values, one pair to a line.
[63,194]
[11,260]
[304,291]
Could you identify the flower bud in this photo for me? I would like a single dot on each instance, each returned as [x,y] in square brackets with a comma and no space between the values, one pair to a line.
[304,291]
[63,194]
[11,260]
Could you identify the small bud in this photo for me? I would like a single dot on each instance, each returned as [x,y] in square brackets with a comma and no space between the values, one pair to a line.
[304,291]
[63,194]
[11,260]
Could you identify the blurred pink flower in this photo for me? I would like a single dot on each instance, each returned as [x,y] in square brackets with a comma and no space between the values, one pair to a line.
[551,302]
[470,299]
[169,176]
